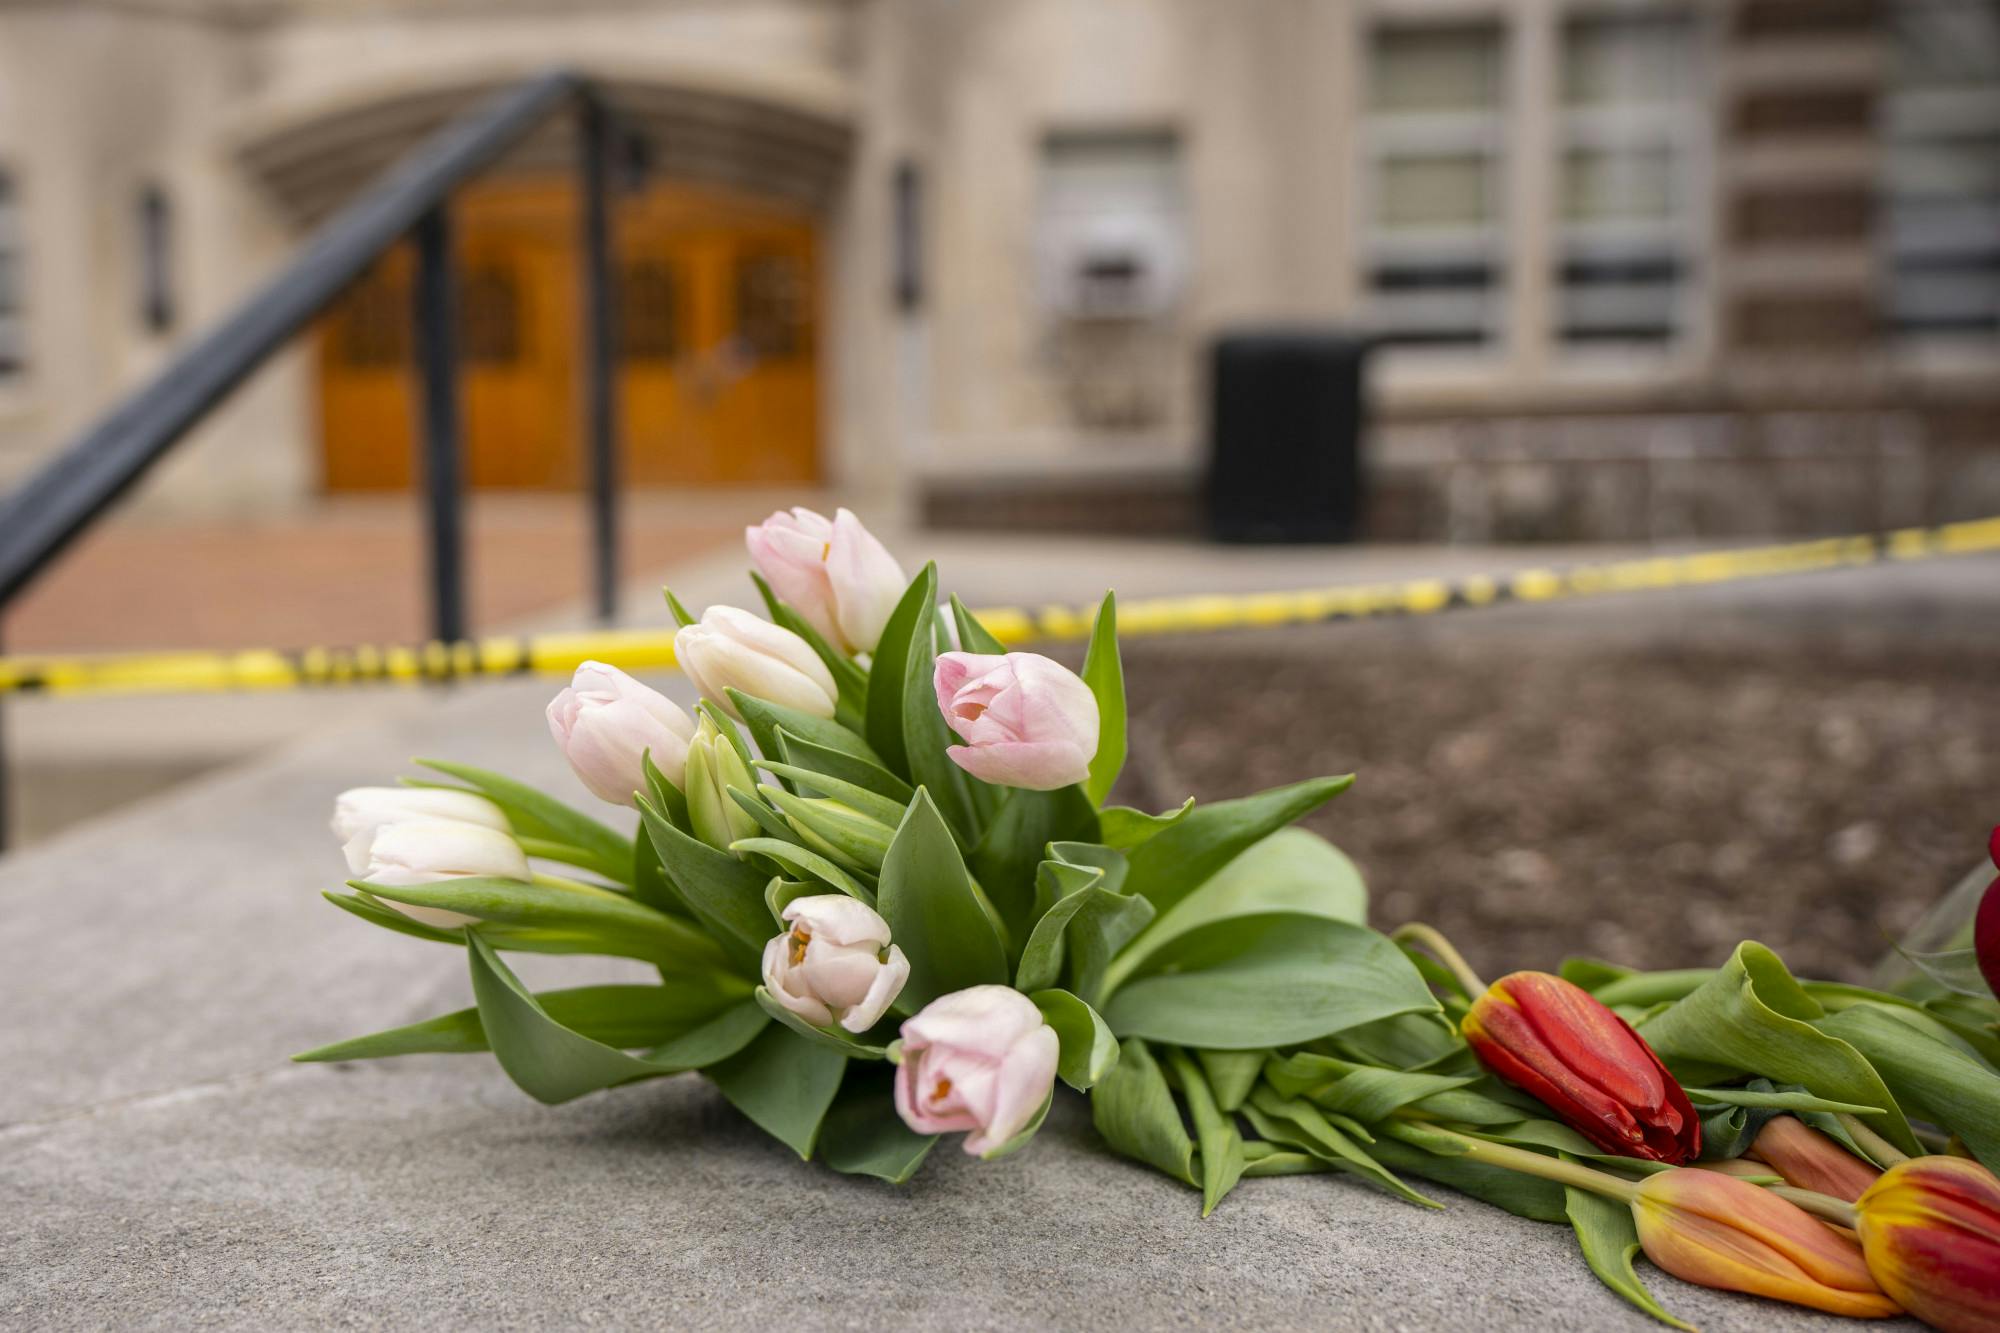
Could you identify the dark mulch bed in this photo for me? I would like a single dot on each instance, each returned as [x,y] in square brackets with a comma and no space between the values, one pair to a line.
[1538,796]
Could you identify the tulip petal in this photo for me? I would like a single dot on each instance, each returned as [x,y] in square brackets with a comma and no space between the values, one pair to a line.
[1034,765]
[1021,1085]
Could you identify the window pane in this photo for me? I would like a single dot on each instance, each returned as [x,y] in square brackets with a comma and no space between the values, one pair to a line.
[1942,179]
[1611,59]
[1619,183]
[1435,69]
[1434,191]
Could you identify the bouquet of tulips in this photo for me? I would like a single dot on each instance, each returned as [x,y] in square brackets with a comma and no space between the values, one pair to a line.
[887,900]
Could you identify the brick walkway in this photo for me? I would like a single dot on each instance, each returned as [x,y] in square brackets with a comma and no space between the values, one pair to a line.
[345,571]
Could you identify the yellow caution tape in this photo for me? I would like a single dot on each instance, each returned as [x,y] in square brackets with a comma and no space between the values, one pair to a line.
[653,649]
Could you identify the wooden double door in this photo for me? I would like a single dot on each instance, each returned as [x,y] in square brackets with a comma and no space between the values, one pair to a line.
[717,345]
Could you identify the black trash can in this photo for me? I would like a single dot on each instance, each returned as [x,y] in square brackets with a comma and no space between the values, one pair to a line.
[1286,415]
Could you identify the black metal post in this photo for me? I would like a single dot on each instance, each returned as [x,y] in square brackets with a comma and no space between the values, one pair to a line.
[600,352]
[437,369]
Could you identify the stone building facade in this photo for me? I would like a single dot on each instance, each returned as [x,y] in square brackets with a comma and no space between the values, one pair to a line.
[1636,268]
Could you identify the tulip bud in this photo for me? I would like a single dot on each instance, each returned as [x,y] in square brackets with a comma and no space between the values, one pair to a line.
[1811,1160]
[713,767]
[1986,924]
[1026,721]
[424,851]
[359,812]
[979,1059]
[732,649]
[837,575]
[605,722]
[1718,1231]
[1553,1040]
[1931,1230]
[836,963]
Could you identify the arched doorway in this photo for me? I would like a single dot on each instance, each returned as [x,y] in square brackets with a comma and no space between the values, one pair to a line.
[718,343]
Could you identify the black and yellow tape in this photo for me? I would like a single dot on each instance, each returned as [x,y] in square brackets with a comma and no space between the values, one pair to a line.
[653,649]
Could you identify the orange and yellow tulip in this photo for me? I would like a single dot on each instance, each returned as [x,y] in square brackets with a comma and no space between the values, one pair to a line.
[1811,1160]
[1930,1228]
[1718,1231]
[1554,1041]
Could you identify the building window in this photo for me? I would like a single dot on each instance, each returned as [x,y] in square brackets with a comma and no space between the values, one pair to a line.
[1433,244]
[1626,227]
[1942,136]
[489,316]
[1110,231]
[773,306]
[156,289]
[13,295]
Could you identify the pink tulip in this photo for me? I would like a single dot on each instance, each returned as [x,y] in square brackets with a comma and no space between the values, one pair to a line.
[605,723]
[732,649]
[1026,721]
[837,575]
[980,1060]
[834,963]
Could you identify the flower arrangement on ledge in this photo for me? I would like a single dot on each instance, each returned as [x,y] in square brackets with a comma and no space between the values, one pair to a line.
[900,908]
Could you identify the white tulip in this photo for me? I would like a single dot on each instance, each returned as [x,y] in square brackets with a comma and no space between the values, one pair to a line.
[731,648]
[360,811]
[424,851]
[605,722]
[835,964]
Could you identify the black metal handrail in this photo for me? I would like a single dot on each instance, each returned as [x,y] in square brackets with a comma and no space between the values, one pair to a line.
[59,502]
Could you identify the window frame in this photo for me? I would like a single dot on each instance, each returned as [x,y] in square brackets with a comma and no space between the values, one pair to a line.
[1528,356]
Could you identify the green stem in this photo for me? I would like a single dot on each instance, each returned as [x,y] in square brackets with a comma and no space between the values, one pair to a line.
[1432,940]
[574,886]
[1866,1139]
[1823,1206]
[1446,1143]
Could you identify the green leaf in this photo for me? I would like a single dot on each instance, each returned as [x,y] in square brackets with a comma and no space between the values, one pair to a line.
[1028,1131]
[1175,862]
[808,863]
[848,677]
[783,1083]
[1105,675]
[682,616]
[726,895]
[1216,1136]
[1124,828]
[873,804]
[1643,990]
[616,923]
[863,1136]
[1522,1195]
[1086,924]
[1608,1237]
[1292,870]
[550,1062]
[767,819]
[1231,1074]
[1275,980]
[935,912]
[888,674]
[627,1017]
[766,719]
[534,814]
[1302,1124]
[1365,1092]
[388,918]
[1133,1108]
[1088,1048]
[1776,1101]
[832,1038]
[781,893]
[1011,850]
[973,637]
[848,768]
[831,828]
[1752,1017]
[1932,1080]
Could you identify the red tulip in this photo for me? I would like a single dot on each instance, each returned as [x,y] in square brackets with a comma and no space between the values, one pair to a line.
[1930,1228]
[1554,1041]
[1986,926]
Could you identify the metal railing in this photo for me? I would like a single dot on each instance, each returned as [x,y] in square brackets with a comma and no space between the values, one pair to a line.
[73,490]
